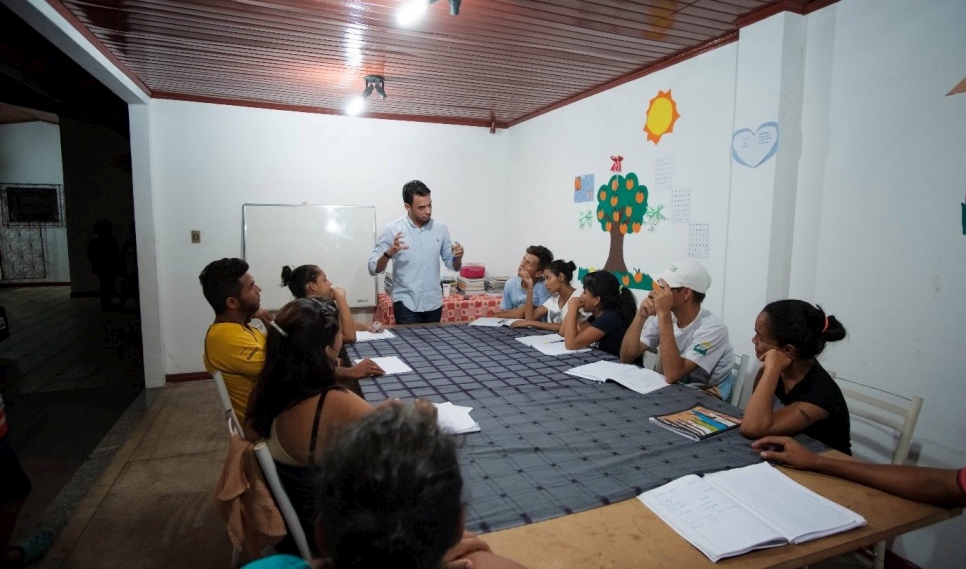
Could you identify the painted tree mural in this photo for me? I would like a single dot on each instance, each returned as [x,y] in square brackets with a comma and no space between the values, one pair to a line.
[621,205]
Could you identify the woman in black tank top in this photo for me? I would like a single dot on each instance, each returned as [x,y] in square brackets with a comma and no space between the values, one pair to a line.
[301,355]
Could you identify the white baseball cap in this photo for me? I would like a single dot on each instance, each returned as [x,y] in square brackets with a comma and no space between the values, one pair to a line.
[687,274]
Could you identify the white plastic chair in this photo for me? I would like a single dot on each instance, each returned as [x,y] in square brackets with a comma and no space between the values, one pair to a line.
[234,425]
[901,419]
[740,373]
[282,500]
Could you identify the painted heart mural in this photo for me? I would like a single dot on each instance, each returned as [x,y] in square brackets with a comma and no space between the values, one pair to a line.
[752,148]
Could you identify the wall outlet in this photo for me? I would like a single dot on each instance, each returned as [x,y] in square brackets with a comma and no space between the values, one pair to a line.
[195,236]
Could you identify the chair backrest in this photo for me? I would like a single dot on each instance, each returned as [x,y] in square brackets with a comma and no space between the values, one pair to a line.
[291,518]
[234,425]
[901,418]
[740,373]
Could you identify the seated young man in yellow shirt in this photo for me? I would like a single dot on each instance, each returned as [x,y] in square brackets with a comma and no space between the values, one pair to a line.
[232,346]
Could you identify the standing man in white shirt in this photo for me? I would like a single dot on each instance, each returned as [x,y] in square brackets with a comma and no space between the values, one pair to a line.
[696,349]
[415,243]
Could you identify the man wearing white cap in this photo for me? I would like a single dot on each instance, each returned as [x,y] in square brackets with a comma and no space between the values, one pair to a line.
[703,356]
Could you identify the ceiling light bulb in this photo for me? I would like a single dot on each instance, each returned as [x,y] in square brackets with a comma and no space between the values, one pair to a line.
[411,12]
[355,106]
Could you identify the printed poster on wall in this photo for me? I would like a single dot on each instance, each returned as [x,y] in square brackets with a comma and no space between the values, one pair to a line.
[584,188]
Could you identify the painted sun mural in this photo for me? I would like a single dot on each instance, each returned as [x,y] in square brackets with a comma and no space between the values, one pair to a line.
[662,113]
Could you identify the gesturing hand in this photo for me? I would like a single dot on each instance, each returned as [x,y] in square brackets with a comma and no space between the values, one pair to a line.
[457,251]
[397,245]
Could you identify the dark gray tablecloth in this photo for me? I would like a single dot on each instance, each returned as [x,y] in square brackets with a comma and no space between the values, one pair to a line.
[551,444]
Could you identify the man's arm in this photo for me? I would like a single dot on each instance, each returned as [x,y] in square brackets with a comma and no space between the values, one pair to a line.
[631,346]
[451,253]
[506,310]
[383,251]
[518,312]
[930,485]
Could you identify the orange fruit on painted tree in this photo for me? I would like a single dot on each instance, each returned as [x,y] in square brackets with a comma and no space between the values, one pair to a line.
[638,276]
[628,210]
[600,214]
[624,228]
[626,280]
[613,184]
[639,198]
[636,227]
[617,216]
[603,195]
[613,201]
[629,184]
[607,226]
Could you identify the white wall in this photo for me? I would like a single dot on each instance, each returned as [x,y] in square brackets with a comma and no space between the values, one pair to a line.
[547,152]
[208,160]
[30,154]
[879,240]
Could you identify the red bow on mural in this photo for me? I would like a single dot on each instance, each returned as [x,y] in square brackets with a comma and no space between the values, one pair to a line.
[616,166]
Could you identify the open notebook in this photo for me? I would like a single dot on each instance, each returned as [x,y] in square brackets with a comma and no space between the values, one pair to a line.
[736,511]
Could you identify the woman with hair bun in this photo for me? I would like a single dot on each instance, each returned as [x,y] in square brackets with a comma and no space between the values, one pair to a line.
[789,334]
[309,281]
[557,277]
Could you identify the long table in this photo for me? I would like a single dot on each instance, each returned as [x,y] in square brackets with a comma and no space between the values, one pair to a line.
[553,445]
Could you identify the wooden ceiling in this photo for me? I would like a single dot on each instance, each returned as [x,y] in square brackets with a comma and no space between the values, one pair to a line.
[495,64]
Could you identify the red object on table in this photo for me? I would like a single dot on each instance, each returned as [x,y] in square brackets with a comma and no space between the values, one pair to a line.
[456,308]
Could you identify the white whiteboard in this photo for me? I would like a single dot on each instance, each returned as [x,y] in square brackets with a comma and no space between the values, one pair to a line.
[339,239]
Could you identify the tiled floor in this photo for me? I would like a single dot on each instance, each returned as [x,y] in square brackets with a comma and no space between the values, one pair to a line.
[152,506]
[74,372]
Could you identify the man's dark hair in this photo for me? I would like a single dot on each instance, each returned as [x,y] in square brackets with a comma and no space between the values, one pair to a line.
[543,254]
[414,187]
[698,296]
[390,492]
[220,280]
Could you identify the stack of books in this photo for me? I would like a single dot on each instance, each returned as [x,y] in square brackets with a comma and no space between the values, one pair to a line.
[469,286]
[387,285]
[494,285]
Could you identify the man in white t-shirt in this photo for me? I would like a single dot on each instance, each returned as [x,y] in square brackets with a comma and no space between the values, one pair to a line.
[672,313]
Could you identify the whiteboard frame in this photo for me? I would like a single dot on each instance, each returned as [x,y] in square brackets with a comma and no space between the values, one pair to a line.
[375,279]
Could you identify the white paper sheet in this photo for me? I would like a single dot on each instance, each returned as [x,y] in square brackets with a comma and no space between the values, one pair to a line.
[390,364]
[455,418]
[699,240]
[362,336]
[493,322]
[598,371]
[540,339]
[557,349]
[639,379]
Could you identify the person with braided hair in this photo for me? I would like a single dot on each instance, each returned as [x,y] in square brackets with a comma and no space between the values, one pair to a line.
[789,334]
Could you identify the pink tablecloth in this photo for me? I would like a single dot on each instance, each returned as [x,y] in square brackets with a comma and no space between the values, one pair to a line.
[455,308]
